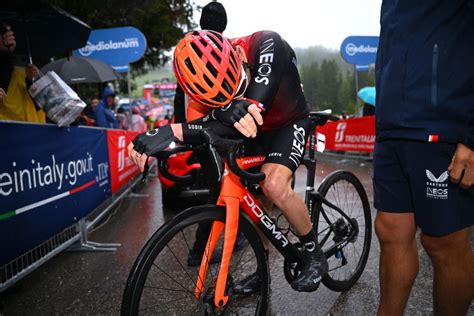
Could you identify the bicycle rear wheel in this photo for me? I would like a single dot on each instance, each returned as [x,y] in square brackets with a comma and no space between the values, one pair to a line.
[161,282]
[345,191]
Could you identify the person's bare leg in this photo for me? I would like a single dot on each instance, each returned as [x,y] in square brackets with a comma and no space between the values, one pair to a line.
[453,263]
[277,187]
[398,260]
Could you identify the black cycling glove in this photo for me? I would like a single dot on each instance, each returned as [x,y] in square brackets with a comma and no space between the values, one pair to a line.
[154,141]
[231,114]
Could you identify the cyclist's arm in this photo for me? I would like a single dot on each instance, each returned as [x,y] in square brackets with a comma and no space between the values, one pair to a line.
[271,58]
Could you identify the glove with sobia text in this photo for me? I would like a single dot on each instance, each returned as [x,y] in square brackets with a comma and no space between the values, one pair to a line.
[232,113]
[154,141]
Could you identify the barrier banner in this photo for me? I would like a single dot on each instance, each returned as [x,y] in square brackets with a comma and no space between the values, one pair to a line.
[50,178]
[354,134]
[122,169]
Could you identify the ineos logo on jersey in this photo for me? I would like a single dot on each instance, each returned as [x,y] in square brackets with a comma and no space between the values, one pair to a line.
[152,132]
[435,187]
[298,144]
[340,130]
[265,60]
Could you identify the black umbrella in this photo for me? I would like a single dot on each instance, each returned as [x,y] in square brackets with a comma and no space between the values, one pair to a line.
[82,70]
[41,29]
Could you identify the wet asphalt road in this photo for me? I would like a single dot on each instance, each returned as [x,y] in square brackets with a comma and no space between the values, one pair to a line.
[91,283]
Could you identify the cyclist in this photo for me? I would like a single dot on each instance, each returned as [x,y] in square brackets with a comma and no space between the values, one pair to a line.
[254,79]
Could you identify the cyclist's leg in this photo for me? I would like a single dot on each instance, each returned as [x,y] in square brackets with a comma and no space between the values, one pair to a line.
[277,187]
[283,157]
[453,263]
[395,227]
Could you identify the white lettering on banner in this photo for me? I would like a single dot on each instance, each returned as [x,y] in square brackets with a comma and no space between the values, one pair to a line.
[265,220]
[340,130]
[121,153]
[110,45]
[360,139]
[352,49]
[40,175]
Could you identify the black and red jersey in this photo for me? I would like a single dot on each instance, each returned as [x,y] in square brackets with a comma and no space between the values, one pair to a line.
[274,79]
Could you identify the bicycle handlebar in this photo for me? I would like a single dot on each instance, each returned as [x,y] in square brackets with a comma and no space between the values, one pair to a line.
[186,179]
[230,146]
[214,144]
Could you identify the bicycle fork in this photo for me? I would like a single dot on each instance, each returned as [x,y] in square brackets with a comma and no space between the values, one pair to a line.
[229,198]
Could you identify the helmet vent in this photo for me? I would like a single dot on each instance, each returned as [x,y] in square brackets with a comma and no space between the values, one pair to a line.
[217,57]
[190,66]
[226,86]
[208,81]
[203,42]
[211,68]
[201,89]
[196,50]
[231,76]
[219,97]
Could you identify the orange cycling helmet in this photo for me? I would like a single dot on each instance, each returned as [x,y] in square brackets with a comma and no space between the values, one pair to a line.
[208,68]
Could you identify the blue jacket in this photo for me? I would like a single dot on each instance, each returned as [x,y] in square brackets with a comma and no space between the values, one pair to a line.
[104,116]
[425,71]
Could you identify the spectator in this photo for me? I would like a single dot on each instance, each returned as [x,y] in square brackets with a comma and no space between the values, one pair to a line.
[424,151]
[104,114]
[122,118]
[90,109]
[137,122]
[16,103]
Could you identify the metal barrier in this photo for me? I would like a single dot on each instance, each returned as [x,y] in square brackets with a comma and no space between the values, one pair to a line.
[23,265]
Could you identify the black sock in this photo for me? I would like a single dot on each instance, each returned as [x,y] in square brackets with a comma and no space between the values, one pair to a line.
[310,242]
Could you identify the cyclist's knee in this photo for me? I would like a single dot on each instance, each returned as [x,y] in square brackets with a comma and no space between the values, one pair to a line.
[395,227]
[276,188]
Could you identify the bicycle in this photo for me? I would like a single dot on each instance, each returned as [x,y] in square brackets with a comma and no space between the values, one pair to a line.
[161,283]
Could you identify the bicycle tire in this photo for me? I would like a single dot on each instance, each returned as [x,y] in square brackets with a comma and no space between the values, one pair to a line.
[364,222]
[160,243]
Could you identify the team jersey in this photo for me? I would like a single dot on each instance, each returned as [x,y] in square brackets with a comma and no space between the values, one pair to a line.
[274,80]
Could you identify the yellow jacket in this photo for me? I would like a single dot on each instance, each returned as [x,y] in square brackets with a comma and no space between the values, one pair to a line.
[18,105]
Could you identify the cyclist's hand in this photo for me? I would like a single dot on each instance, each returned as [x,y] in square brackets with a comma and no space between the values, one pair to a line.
[461,169]
[149,143]
[139,159]
[240,114]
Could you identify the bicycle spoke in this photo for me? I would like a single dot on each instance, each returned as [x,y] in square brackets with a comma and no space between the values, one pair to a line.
[240,258]
[181,265]
[173,279]
[165,289]
[161,304]
[189,249]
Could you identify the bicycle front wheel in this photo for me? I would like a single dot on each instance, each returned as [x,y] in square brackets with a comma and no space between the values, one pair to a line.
[163,278]
[352,232]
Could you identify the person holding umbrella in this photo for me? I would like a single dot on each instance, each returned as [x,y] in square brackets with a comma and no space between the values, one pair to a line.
[15,102]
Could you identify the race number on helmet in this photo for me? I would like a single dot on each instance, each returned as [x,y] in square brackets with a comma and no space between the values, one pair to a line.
[208,68]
